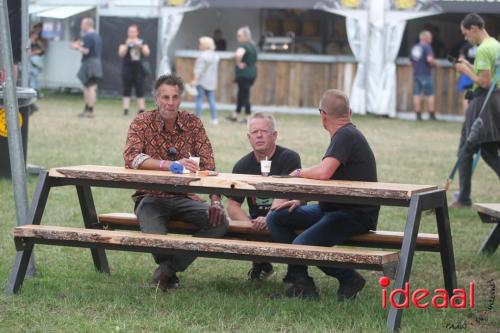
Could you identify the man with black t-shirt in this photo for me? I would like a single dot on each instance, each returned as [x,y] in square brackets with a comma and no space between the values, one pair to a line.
[348,157]
[262,136]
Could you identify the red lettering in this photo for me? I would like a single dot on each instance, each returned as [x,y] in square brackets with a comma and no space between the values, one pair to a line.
[384,298]
[458,295]
[471,294]
[416,298]
[441,294]
[404,292]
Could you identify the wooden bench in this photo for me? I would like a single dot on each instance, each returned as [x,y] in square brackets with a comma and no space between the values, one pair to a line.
[28,235]
[244,230]
[490,213]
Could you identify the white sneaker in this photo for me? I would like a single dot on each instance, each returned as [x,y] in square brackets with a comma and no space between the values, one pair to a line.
[214,121]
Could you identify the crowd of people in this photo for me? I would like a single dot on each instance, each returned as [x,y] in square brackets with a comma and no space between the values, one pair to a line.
[166,136]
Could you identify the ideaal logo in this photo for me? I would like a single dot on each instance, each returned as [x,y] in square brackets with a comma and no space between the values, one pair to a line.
[419,298]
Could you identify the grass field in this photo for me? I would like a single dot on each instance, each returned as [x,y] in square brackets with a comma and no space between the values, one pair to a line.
[67,295]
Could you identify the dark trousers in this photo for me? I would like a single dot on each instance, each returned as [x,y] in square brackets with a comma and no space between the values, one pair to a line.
[153,214]
[321,228]
[243,98]
[490,152]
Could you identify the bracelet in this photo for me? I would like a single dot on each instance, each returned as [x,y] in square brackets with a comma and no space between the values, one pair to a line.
[161,164]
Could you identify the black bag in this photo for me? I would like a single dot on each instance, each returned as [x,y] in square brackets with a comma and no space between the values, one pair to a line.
[146,67]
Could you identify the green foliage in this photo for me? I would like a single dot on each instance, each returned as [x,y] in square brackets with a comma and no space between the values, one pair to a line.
[68,295]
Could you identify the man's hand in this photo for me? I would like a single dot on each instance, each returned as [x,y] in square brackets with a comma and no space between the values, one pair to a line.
[259,223]
[216,214]
[291,205]
[76,44]
[189,164]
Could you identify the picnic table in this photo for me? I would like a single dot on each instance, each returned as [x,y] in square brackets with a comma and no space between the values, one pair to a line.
[490,213]
[417,198]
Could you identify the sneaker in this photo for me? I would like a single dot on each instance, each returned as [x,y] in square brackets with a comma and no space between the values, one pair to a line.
[458,204]
[232,118]
[86,114]
[214,121]
[432,116]
[125,112]
[243,121]
[260,271]
[161,281]
[350,288]
[419,116]
[303,287]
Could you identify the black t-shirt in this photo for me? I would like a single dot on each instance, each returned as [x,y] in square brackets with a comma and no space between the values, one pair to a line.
[284,161]
[92,41]
[350,148]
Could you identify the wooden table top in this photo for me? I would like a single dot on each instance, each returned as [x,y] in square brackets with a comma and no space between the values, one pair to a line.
[243,182]
[492,209]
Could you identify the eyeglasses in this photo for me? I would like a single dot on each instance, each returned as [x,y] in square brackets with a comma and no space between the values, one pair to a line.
[321,111]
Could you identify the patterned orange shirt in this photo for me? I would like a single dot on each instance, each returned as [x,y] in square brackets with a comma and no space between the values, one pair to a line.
[148,138]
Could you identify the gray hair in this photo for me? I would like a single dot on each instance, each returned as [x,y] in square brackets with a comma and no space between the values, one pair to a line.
[262,115]
[335,103]
[247,33]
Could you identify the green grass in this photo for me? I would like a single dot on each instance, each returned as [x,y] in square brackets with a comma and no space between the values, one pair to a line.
[68,295]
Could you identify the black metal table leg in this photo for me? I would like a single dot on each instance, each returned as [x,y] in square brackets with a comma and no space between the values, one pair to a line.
[405,259]
[18,273]
[90,220]
[446,246]
[491,243]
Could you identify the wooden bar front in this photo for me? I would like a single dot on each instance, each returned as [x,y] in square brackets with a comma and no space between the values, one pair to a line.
[297,81]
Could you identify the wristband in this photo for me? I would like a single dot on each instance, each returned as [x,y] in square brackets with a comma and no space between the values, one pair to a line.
[161,164]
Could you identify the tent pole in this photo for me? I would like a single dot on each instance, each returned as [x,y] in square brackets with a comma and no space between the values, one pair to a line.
[24,43]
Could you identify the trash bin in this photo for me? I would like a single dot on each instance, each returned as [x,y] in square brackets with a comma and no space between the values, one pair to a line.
[25,98]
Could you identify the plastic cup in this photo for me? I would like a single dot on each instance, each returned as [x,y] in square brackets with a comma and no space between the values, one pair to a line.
[196,160]
[265,167]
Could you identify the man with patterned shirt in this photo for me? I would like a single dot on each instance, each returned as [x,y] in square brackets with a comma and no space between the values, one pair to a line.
[155,140]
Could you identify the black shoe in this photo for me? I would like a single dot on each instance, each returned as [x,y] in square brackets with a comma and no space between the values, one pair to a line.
[260,271]
[419,116]
[161,281]
[349,289]
[432,116]
[125,112]
[232,119]
[303,287]
[288,279]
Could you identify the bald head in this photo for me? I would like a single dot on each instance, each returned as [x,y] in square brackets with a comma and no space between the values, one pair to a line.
[87,24]
[335,103]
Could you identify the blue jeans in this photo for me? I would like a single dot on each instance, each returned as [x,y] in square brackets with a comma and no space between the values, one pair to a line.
[211,101]
[321,228]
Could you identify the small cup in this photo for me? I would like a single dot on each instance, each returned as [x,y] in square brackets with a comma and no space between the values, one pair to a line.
[196,160]
[265,167]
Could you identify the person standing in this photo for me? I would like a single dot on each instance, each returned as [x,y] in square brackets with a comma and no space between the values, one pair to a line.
[90,72]
[155,140]
[262,136]
[220,42]
[481,73]
[422,58]
[133,74]
[348,157]
[206,71]
[245,72]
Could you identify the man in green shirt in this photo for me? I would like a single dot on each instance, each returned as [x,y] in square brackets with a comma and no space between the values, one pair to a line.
[481,73]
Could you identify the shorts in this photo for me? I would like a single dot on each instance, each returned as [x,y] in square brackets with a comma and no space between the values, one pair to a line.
[423,84]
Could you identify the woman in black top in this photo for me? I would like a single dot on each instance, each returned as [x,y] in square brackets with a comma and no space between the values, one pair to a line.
[245,71]
[133,75]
